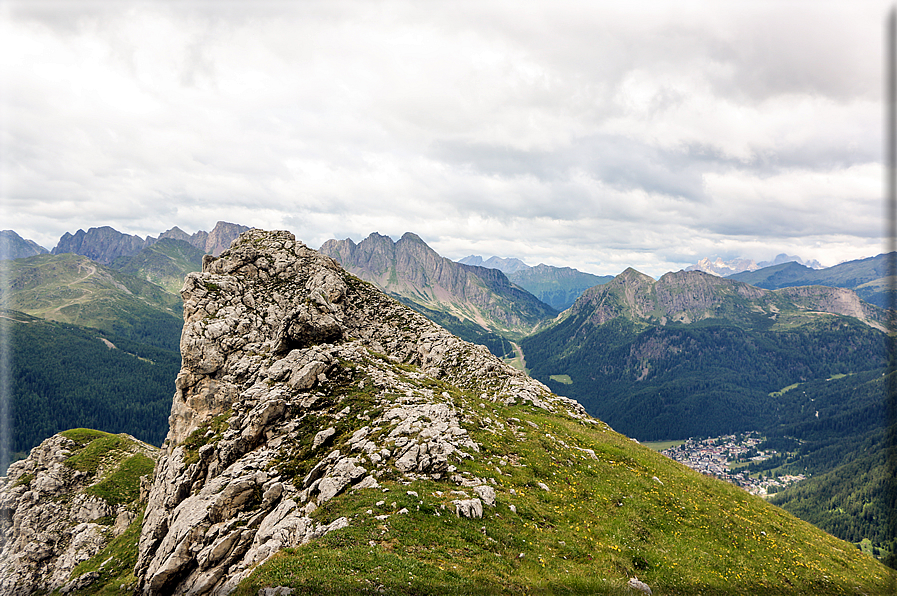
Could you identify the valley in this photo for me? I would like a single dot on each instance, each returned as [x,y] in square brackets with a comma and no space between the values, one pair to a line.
[325,438]
[687,355]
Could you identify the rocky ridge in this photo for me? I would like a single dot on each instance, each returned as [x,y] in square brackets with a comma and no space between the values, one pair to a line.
[13,246]
[413,271]
[105,244]
[691,296]
[299,382]
[62,505]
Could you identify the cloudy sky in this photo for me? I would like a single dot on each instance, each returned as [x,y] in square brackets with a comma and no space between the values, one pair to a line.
[588,134]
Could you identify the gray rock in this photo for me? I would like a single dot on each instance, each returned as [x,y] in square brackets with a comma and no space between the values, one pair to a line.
[636,584]
[321,437]
[486,493]
[44,537]
[266,325]
[278,591]
[471,508]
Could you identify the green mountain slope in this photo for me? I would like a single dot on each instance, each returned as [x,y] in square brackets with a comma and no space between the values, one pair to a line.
[867,277]
[626,513]
[415,273]
[165,263]
[693,354]
[70,288]
[558,287]
[374,453]
[64,376]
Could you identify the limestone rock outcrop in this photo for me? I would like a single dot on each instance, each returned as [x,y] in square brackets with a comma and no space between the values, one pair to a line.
[300,382]
[58,507]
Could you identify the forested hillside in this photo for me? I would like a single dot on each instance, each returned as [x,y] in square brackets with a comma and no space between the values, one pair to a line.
[834,430]
[677,381]
[63,376]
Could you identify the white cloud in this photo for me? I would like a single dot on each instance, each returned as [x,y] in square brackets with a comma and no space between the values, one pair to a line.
[591,134]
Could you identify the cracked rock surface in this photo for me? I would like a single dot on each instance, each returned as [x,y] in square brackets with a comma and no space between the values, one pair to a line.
[49,519]
[299,382]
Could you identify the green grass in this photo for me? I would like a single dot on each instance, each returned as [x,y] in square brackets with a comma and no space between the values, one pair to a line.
[565,379]
[629,512]
[661,445]
[208,433]
[123,485]
[115,563]
[83,436]
[101,449]
[784,390]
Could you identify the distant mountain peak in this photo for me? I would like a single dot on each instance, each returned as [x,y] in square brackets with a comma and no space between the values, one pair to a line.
[506,265]
[412,270]
[411,237]
[13,246]
[740,265]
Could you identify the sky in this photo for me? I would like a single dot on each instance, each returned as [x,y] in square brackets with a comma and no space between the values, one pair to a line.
[585,134]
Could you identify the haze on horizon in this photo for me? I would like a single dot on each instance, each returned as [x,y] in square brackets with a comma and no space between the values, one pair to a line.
[582,134]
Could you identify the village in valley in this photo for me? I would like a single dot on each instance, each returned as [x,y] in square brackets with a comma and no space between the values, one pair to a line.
[725,457]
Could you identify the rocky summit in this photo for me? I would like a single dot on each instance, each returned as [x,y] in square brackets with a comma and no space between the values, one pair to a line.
[259,437]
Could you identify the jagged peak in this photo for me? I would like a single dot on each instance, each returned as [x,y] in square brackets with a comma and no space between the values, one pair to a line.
[273,333]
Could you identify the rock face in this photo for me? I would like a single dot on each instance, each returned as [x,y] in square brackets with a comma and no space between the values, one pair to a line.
[13,246]
[214,242]
[411,269]
[105,244]
[296,387]
[55,513]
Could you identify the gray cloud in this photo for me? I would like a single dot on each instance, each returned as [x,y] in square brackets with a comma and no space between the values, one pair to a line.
[649,134]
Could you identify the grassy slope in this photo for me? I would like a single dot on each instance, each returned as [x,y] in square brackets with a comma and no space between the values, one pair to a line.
[629,512]
[70,288]
[122,462]
[165,263]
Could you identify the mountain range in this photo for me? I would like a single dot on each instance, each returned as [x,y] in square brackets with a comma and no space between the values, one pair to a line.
[867,277]
[452,292]
[105,244]
[558,287]
[689,353]
[692,354]
[324,438]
